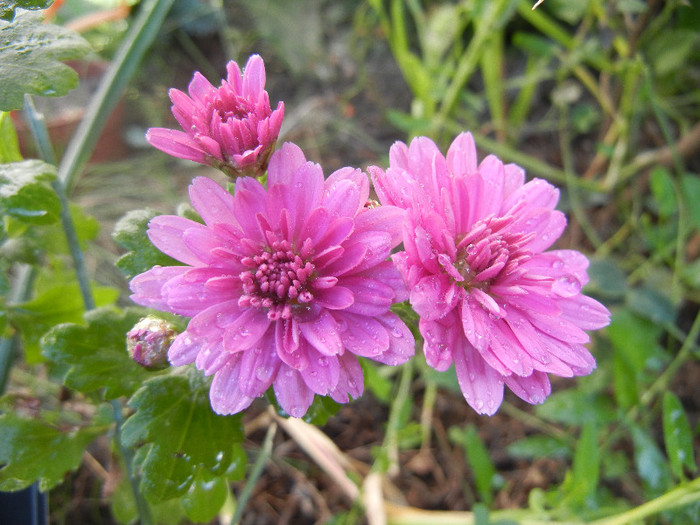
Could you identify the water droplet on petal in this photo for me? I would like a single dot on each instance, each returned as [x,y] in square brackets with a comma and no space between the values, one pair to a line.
[566,286]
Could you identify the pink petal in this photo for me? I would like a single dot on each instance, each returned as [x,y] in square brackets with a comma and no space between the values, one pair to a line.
[225,396]
[363,336]
[212,202]
[166,232]
[481,385]
[323,334]
[461,157]
[438,339]
[176,143]
[350,379]
[148,286]
[291,392]
[434,297]
[253,77]
[402,345]
[259,366]
[184,349]
[534,388]
[322,374]
[246,330]
[284,163]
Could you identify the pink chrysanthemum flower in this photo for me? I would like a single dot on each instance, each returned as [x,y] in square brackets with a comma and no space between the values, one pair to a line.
[231,127]
[490,298]
[285,286]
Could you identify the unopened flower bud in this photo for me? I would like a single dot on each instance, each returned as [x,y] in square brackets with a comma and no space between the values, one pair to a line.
[148,342]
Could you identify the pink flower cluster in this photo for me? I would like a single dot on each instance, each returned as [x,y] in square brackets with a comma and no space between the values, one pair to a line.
[491,297]
[231,127]
[287,285]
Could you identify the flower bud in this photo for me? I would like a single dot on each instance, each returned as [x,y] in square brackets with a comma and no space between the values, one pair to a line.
[148,342]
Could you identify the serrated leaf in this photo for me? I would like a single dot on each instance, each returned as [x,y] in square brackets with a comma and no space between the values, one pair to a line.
[677,436]
[59,304]
[31,451]
[25,192]
[179,435]
[95,356]
[9,145]
[130,233]
[31,55]
[205,497]
[8,7]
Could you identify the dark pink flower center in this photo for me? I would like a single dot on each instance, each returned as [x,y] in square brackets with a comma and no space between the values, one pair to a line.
[487,252]
[278,280]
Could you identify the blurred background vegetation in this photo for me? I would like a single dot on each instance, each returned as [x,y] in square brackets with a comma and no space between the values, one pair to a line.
[600,97]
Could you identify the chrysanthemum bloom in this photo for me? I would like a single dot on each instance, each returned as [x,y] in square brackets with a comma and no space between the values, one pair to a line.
[285,286]
[231,127]
[491,298]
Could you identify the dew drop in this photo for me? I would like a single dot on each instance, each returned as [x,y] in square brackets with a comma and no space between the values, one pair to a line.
[261,373]
[566,286]
[323,361]
[479,404]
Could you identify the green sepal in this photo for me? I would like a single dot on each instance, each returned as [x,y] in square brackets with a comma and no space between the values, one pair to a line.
[26,193]
[31,55]
[179,435]
[95,356]
[130,234]
[32,450]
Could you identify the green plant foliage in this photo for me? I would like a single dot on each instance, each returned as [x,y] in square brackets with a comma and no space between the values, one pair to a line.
[677,436]
[8,7]
[26,193]
[32,450]
[31,55]
[205,497]
[57,304]
[179,435]
[94,356]
[130,234]
[9,146]
[484,472]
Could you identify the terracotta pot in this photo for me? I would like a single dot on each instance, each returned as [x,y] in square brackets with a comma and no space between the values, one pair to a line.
[63,114]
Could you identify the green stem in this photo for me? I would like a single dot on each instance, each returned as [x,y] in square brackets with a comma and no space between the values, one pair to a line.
[262,458]
[391,441]
[37,124]
[142,507]
[682,495]
[470,59]
[142,31]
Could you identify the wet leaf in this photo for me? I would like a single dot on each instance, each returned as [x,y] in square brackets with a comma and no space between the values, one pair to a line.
[8,7]
[31,55]
[26,193]
[32,450]
[130,234]
[179,435]
[205,497]
[677,436]
[95,356]
[9,146]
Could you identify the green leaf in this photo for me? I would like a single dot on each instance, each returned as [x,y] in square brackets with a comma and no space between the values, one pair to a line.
[130,233]
[576,407]
[677,436]
[30,59]
[179,435]
[95,356]
[59,304]
[539,446]
[650,462]
[9,145]
[478,456]
[205,497]
[661,185]
[651,303]
[25,192]
[8,7]
[581,482]
[690,189]
[32,450]
[634,339]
